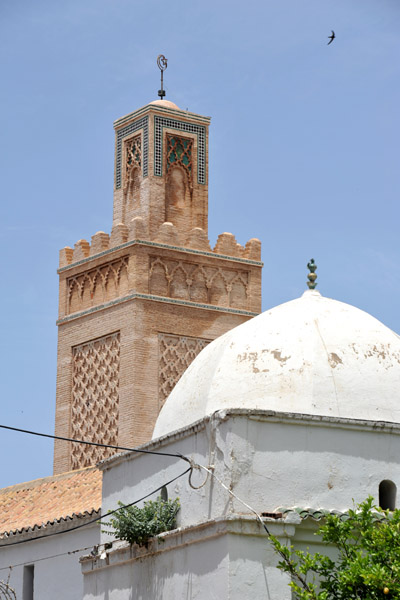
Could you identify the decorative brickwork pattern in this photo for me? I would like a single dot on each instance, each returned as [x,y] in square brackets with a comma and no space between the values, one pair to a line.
[97,286]
[94,407]
[133,149]
[199,130]
[133,163]
[142,123]
[179,152]
[199,283]
[175,354]
[156,272]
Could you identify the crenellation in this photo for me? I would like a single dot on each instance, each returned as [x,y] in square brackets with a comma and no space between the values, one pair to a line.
[119,235]
[168,234]
[227,244]
[66,256]
[81,250]
[252,250]
[100,242]
[198,240]
[138,229]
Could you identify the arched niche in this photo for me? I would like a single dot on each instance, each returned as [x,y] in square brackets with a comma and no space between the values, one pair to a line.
[178,198]
[387,494]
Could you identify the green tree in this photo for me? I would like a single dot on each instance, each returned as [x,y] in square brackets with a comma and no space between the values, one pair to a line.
[367,563]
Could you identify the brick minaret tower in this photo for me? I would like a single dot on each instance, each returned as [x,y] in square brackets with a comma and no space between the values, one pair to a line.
[138,305]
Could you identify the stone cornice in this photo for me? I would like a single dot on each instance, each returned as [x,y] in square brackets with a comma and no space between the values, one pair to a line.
[162,110]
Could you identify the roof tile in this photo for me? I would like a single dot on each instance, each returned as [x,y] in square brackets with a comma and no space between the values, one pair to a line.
[49,499]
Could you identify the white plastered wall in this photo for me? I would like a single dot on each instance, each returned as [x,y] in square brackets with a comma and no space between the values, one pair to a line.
[55,577]
[269,460]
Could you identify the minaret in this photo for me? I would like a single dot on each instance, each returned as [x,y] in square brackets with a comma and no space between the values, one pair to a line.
[136,306]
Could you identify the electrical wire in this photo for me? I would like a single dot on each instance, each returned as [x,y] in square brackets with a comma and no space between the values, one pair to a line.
[112,512]
[193,466]
[36,560]
[65,439]
[210,471]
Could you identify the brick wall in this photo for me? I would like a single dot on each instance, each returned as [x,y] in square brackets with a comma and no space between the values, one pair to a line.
[136,306]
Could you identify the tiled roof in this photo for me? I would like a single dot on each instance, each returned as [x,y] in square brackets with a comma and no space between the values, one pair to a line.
[51,499]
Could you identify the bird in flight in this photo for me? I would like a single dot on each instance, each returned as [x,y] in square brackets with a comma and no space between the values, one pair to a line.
[331,37]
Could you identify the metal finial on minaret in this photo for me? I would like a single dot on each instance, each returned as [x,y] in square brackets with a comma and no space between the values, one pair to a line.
[312,276]
[162,65]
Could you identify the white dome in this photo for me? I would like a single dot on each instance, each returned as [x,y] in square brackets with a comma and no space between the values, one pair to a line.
[312,355]
[165,104]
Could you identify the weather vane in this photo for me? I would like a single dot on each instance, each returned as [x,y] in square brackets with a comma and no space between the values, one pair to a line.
[312,276]
[162,65]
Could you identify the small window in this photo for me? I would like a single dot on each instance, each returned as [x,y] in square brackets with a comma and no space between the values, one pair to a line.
[28,581]
[387,495]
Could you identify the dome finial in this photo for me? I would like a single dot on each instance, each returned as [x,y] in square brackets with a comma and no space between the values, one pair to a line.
[162,65]
[312,267]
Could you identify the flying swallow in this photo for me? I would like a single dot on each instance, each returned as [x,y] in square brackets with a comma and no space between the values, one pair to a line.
[331,37]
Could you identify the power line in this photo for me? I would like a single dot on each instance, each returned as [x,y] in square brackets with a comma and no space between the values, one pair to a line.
[193,465]
[65,439]
[29,562]
[97,518]
[210,471]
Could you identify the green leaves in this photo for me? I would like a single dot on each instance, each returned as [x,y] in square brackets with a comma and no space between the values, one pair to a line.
[367,564]
[138,525]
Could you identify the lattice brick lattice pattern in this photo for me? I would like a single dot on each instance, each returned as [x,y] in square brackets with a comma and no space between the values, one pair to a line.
[179,152]
[98,285]
[142,123]
[199,130]
[199,283]
[133,149]
[94,410]
[175,355]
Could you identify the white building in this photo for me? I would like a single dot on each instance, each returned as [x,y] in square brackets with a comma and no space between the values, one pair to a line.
[297,413]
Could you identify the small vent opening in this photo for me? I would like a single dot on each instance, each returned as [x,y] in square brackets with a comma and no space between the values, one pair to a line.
[387,495]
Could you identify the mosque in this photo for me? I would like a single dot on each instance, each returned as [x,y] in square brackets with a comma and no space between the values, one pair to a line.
[288,415]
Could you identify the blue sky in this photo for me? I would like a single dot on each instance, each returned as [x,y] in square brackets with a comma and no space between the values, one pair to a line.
[303,154]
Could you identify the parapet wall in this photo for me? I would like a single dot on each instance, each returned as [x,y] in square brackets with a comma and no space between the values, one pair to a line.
[167,234]
[93,275]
